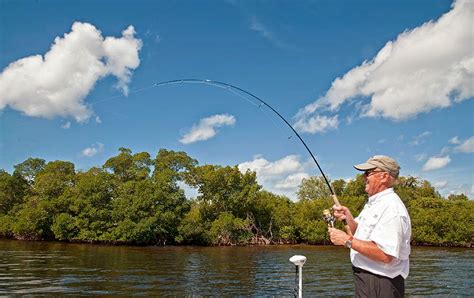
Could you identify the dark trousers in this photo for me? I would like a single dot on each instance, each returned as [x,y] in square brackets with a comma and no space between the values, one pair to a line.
[368,284]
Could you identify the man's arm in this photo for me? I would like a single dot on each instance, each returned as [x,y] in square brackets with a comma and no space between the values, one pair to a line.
[367,248]
[352,224]
[371,250]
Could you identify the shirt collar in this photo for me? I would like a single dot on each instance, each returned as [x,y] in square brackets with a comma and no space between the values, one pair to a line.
[374,199]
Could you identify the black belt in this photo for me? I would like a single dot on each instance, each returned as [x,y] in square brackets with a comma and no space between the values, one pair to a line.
[360,270]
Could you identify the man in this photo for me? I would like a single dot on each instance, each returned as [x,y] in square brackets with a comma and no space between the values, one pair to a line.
[381,243]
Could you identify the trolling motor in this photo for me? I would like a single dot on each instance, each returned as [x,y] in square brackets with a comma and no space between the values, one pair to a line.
[299,262]
[329,217]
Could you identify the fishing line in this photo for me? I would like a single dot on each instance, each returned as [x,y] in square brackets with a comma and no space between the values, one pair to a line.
[247,99]
[272,120]
[121,95]
[259,105]
[227,88]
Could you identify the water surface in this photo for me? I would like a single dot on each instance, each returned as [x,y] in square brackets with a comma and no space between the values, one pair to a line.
[51,267]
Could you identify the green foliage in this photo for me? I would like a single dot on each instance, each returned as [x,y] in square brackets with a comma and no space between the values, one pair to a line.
[310,228]
[288,234]
[171,167]
[224,189]
[53,180]
[411,187]
[29,168]
[126,166]
[228,229]
[33,221]
[64,227]
[125,202]
[458,197]
[338,186]
[6,226]
[144,213]
[12,190]
[439,221]
[313,188]
[272,217]
[355,187]
[193,229]
[89,205]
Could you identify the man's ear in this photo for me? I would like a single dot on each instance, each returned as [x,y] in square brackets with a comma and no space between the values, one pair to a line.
[386,178]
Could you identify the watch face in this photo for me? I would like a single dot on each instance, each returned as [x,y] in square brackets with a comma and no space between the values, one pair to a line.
[348,244]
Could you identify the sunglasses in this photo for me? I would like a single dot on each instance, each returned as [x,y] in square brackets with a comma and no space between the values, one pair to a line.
[367,174]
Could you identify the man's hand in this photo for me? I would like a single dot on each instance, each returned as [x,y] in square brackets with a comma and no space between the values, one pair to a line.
[341,212]
[338,237]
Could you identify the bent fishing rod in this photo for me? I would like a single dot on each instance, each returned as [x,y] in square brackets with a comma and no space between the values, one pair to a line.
[327,214]
[235,90]
[229,86]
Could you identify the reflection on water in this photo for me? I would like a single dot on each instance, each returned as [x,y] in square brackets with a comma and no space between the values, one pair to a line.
[442,271]
[45,268]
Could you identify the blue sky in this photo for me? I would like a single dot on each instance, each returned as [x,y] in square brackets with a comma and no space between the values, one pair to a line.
[354,78]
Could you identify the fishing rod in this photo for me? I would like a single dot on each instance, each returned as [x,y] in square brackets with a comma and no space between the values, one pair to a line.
[233,89]
[228,87]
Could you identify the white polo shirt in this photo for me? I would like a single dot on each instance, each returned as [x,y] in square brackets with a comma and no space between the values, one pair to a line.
[385,221]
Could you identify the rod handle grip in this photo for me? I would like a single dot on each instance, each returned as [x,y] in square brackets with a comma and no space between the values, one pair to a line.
[344,222]
[336,200]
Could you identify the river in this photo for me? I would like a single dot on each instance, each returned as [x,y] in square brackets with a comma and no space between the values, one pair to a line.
[44,268]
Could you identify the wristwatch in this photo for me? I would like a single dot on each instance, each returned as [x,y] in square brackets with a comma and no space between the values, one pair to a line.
[348,242]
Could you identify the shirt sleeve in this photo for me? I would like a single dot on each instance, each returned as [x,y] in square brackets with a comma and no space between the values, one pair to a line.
[388,235]
[356,219]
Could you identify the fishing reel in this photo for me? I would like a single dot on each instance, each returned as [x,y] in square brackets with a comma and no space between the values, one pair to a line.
[329,217]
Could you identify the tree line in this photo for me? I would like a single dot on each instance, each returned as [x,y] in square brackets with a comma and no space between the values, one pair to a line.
[136,199]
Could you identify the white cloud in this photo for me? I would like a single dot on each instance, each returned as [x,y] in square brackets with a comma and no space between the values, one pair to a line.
[292,181]
[266,33]
[66,125]
[57,83]
[426,68]
[266,169]
[435,163]
[282,176]
[206,128]
[316,124]
[467,146]
[455,141]
[93,150]
[421,157]
[445,151]
[419,139]
[440,184]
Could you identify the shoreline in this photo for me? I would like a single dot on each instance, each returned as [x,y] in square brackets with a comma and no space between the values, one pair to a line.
[104,243]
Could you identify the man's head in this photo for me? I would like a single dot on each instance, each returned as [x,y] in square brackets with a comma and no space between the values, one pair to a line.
[381,172]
